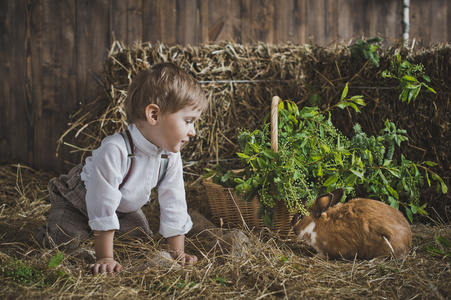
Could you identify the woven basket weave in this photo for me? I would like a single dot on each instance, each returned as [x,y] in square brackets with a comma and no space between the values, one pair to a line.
[228,208]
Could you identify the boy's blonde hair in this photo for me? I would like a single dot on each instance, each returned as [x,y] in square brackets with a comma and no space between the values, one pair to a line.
[166,85]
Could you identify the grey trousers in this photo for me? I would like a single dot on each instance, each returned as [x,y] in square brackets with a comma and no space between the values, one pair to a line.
[67,222]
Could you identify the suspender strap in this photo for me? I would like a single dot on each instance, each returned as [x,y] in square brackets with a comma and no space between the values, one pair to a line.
[163,166]
[130,149]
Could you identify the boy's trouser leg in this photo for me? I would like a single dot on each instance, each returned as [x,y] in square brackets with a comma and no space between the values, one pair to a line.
[66,226]
[134,224]
[67,223]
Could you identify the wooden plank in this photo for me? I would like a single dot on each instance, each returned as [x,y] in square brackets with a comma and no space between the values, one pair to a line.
[92,43]
[45,76]
[385,19]
[168,22]
[345,11]
[360,26]
[202,12]
[439,19]
[134,22]
[284,21]
[118,18]
[152,22]
[375,18]
[300,21]
[20,129]
[331,21]
[55,72]
[448,22]
[316,22]
[225,21]
[263,21]
[186,22]
[420,21]
[5,86]
[393,11]
[246,35]
[8,13]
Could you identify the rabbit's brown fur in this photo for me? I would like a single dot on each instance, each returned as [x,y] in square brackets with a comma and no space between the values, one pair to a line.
[362,227]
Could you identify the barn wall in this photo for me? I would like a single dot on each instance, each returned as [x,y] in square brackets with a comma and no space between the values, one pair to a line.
[52,50]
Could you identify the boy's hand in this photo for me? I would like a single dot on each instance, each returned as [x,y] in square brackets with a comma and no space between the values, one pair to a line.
[177,243]
[105,265]
[184,258]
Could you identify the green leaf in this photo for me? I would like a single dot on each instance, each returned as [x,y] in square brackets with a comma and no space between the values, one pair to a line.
[345,92]
[242,155]
[56,260]
[267,221]
[320,171]
[409,214]
[382,177]
[393,202]
[261,162]
[239,180]
[357,173]
[316,157]
[443,241]
[331,180]
[308,112]
[393,192]
[426,78]
[220,280]
[427,178]
[431,90]
[270,154]
[351,180]
[358,99]
[410,79]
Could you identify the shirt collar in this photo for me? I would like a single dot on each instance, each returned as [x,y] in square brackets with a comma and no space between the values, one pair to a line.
[142,143]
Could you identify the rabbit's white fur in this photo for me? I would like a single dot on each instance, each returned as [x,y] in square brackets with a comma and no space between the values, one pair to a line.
[361,228]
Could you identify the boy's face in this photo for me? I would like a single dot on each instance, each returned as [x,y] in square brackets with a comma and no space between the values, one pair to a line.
[175,129]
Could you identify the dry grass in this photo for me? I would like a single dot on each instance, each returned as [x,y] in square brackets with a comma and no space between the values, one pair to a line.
[258,266]
[240,80]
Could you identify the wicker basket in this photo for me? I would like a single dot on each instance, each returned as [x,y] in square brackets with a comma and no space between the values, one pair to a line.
[228,208]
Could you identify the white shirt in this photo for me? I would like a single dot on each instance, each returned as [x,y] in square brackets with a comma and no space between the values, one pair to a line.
[105,169]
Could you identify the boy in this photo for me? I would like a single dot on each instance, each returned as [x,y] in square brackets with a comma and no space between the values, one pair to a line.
[162,105]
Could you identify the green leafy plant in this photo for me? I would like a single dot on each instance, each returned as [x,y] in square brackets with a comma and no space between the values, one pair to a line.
[411,78]
[174,285]
[367,49]
[22,273]
[444,249]
[314,157]
[219,280]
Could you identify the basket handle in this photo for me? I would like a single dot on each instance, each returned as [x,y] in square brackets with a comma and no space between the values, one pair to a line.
[274,123]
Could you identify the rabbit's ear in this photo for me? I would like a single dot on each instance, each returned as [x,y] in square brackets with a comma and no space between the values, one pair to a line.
[322,203]
[336,196]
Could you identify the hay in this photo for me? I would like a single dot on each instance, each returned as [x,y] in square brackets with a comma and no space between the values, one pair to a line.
[265,268]
[239,81]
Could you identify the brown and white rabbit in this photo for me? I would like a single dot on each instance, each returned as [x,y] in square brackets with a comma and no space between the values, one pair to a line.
[361,227]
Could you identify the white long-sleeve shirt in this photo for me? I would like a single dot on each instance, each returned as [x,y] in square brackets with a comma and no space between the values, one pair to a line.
[105,169]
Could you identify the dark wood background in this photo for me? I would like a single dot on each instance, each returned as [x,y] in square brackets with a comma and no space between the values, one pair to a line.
[52,50]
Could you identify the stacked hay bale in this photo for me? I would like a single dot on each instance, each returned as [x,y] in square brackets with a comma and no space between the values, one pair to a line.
[239,81]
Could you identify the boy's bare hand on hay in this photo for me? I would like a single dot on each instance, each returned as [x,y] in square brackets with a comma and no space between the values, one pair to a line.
[105,265]
[184,258]
[177,243]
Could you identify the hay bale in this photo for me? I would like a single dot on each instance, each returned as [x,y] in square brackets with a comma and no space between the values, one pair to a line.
[239,81]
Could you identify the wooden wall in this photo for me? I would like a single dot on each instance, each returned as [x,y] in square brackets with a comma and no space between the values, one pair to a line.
[51,50]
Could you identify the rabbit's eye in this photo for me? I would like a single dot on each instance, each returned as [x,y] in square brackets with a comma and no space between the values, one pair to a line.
[296,219]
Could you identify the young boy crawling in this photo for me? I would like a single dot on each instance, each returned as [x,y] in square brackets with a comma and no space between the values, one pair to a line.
[162,105]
